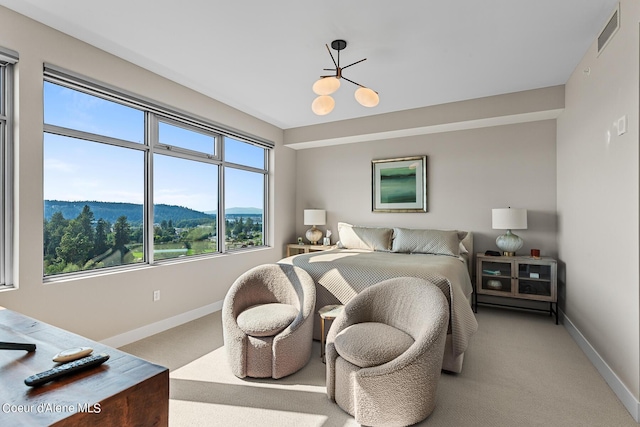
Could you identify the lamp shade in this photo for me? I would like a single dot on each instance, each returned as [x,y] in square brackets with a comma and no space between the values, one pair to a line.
[326,86]
[323,105]
[315,217]
[367,97]
[508,219]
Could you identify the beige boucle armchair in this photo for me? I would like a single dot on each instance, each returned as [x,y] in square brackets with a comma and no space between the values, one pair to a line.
[384,352]
[267,321]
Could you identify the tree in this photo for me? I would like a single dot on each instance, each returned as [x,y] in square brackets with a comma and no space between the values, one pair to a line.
[121,231]
[137,234]
[85,218]
[85,227]
[102,230]
[238,227]
[74,247]
[227,228]
[248,226]
[77,243]
[53,232]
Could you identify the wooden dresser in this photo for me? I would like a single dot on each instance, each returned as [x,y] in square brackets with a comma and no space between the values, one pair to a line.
[124,391]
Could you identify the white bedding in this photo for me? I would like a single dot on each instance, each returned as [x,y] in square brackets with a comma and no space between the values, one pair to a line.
[340,274]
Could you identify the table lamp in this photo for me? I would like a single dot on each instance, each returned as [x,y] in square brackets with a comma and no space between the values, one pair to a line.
[314,217]
[509,219]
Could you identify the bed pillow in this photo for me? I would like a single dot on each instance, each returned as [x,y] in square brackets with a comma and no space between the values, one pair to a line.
[438,242]
[370,238]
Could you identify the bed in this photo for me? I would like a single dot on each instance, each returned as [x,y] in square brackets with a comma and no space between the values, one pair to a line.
[367,255]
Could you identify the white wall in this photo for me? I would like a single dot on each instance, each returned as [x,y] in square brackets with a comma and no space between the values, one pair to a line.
[598,201]
[106,305]
[468,173]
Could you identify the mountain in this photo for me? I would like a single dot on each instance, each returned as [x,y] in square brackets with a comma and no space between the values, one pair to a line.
[110,211]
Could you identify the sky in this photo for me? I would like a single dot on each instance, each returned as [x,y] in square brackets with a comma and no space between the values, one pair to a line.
[77,169]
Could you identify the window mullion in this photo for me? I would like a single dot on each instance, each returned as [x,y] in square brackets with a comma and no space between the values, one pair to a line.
[265,204]
[151,140]
[221,217]
[78,134]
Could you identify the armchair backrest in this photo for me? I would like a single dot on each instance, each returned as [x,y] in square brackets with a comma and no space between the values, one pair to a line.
[410,304]
[269,283]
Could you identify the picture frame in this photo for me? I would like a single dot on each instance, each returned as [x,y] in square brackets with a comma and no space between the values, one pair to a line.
[399,185]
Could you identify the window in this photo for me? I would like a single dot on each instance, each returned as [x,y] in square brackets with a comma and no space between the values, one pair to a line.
[184,183]
[245,184]
[128,182]
[7,59]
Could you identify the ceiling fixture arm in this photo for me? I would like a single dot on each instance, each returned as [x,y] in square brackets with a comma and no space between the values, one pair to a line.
[357,62]
[351,81]
[331,55]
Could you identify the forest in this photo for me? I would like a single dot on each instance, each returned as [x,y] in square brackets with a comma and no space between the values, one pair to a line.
[84,243]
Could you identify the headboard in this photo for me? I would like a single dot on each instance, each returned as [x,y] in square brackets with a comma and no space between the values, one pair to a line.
[467,242]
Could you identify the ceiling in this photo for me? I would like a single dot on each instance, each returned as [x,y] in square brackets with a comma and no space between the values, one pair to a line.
[262,57]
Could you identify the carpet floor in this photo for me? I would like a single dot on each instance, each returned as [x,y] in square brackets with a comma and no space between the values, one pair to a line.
[520,370]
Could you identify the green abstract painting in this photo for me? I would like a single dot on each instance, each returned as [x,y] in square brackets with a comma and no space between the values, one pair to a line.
[399,185]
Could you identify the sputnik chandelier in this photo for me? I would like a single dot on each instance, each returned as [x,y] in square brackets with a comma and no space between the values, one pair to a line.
[327,85]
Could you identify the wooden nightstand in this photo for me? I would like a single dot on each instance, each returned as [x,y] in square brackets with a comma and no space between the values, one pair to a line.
[518,277]
[301,248]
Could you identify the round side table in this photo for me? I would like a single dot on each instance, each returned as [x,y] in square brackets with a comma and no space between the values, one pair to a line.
[328,312]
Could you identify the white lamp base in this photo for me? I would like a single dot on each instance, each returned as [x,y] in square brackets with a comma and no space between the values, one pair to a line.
[509,243]
[313,235]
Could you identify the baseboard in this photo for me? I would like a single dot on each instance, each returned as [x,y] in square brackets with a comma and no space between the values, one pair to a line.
[621,391]
[160,326]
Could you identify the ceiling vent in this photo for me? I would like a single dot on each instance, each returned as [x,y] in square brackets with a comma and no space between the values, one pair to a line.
[609,30]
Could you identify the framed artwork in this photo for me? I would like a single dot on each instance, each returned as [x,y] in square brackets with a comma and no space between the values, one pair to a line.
[399,185]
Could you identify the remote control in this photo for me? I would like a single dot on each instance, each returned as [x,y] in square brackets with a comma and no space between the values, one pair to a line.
[17,346]
[72,354]
[66,369]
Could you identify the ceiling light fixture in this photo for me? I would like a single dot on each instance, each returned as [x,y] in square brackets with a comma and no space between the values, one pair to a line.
[327,85]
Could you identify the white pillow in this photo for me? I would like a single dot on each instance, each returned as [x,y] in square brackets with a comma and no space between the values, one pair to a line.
[438,242]
[370,238]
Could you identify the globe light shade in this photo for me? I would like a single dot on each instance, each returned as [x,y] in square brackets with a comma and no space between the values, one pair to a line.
[323,105]
[367,97]
[326,86]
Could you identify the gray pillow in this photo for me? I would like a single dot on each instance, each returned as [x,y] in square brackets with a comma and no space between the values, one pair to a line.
[370,238]
[438,242]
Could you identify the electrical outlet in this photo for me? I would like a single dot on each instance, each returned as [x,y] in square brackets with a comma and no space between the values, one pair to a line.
[156,295]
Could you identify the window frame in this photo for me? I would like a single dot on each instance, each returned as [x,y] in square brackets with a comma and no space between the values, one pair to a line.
[8,59]
[154,114]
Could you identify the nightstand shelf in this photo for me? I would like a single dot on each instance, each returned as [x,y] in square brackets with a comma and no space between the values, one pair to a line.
[300,248]
[518,277]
